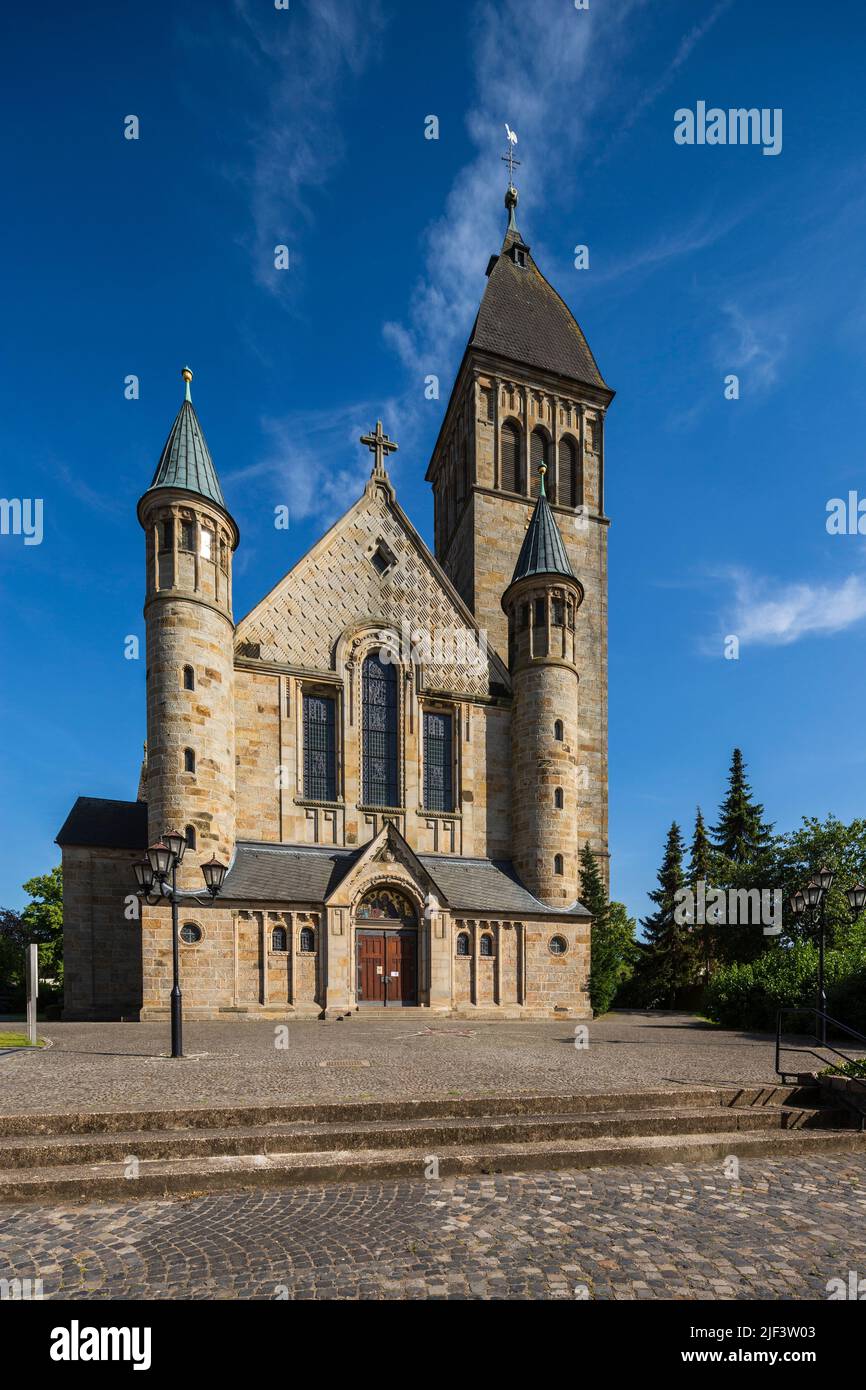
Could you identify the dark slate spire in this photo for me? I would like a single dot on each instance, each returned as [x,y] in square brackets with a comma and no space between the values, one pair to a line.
[523,318]
[185,461]
[543,551]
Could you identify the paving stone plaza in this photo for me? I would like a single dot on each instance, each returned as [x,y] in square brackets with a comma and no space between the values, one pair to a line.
[783,1231]
[773,1227]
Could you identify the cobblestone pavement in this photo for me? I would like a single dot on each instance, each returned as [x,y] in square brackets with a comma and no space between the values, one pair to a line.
[781,1231]
[105,1066]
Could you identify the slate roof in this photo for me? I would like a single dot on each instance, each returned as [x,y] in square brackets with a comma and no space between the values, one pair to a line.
[309,873]
[263,872]
[98,822]
[185,461]
[523,318]
[543,550]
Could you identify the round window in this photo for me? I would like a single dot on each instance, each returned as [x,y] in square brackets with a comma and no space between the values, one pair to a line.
[191,934]
[558,945]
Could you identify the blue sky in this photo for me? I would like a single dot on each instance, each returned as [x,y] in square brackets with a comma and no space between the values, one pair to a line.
[305,127]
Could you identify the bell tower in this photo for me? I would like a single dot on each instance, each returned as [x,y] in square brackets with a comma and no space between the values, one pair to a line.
[190,542]
[529,393]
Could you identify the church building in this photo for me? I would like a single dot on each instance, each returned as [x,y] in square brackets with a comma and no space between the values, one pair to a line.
[399,755]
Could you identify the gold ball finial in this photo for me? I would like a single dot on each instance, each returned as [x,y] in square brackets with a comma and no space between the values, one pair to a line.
[187,376]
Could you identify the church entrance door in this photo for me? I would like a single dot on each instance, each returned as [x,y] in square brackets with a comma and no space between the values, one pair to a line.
[386,942]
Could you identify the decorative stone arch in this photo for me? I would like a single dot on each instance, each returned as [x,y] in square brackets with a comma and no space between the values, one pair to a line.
[391,949]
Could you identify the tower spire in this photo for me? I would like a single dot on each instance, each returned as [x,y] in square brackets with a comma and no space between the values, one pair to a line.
[511,194]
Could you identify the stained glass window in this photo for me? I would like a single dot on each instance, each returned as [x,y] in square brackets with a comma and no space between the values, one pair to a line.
[379,707]
[438,788]
[320,748]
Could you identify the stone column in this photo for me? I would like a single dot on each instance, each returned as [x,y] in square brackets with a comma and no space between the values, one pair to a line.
[339,993]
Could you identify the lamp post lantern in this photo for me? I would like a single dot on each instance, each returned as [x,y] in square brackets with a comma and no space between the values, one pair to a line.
[156,877]
[813,898]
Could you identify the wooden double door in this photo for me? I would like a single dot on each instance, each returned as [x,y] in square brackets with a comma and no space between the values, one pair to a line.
[387,967]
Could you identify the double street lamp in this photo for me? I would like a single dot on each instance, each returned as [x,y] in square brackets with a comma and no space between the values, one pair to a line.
[812,899]
[157,880]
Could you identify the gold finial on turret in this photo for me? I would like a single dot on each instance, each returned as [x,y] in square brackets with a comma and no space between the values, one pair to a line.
[187,376]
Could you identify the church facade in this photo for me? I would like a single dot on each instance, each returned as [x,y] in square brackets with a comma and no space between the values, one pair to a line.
[398,754]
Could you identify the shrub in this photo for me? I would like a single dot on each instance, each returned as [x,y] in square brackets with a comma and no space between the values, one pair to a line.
[749,994]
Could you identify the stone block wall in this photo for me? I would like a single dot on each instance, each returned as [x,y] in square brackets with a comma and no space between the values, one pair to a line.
[101,934]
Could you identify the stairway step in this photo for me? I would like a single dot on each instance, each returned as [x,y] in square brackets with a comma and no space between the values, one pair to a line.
[207,1117]
[51,1151]
[197,1175]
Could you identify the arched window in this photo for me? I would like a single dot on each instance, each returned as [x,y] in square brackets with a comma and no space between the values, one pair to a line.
[485,945]
[188,760]
[463,943]
[307,939]
[191,934]
[557,863]
[557,731]
[279,939]
[558,799]
[539,450]
[189,836]
[379,717]
[510,470]
[188,678]
[570,491]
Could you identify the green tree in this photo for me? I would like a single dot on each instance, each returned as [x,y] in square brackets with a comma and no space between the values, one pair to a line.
[743,857]
[669,963]
[802,852]
[700,870]
[42,921]
[612,936]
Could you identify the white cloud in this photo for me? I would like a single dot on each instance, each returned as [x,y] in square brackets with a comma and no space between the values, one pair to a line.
[753,344]
[306,67]
[771,614]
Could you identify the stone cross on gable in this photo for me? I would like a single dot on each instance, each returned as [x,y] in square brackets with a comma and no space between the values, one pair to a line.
[380,445]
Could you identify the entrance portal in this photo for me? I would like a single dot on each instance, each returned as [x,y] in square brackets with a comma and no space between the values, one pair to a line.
[386,950]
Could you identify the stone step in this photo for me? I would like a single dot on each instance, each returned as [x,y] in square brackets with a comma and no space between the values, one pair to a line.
[362,1112]
[50,1151]
[197,1175]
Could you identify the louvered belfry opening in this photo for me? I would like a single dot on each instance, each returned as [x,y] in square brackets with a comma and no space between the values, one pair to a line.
[379,732]
[538,455]
[567,492]
[512,480]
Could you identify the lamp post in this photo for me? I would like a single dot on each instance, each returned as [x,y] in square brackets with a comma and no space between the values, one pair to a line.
[157,879]
[814,898]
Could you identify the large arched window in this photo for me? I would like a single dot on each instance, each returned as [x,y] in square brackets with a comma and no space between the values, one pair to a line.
[569,490]
[539,451]
[379,722]
[510,471]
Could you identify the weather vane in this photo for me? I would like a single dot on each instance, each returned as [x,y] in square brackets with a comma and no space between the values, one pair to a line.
[509,158]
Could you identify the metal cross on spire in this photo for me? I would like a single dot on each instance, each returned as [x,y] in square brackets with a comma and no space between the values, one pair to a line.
[509,158]
[380,445]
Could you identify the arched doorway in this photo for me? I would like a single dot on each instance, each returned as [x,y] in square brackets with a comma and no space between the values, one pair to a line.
[386,950]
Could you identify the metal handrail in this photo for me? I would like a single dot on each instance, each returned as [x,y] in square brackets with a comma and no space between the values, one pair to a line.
[825,1018]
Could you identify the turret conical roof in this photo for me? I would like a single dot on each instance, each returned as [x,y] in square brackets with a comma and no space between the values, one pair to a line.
[185,461]
[543,550]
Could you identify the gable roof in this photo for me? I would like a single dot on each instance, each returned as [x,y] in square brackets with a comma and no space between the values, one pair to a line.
[264,872]
[302,621]
[97,822]
[521,317]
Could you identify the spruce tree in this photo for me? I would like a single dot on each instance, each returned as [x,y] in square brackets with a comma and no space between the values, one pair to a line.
[743,845]
[670,961]
[606,944]
[742,836]
[700,870]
